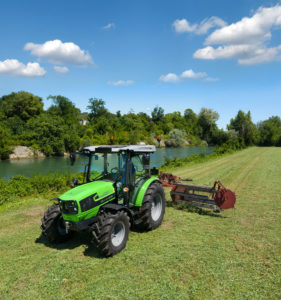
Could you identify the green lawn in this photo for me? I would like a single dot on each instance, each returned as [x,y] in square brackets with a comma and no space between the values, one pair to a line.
[236,254]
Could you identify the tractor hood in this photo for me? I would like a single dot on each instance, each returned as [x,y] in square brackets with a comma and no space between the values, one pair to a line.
[101,188]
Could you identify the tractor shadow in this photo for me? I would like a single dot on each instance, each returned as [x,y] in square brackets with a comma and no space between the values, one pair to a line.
[194,209]
[77,240]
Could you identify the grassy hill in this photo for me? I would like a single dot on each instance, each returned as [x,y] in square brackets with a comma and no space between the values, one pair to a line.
[234,254]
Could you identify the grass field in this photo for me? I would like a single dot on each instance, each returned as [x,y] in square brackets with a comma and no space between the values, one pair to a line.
[232,255]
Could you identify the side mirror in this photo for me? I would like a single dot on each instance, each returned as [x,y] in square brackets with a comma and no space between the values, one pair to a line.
[72,158]
[154,171]
[146,161]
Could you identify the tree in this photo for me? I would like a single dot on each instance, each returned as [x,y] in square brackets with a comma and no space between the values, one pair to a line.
[5,149]
[246,129]
[157,114]
[46,132]
[191,119]
[22,104]
[270,132]
[65,108]
[97,108]
[207,119]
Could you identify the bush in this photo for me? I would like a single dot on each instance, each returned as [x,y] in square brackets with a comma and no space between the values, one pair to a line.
[230,146]
[5,195]
[20,186]
[176,138]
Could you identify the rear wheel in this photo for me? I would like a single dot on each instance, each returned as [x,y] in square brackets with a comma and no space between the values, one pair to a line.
[111,232]
[53,227]
[152,211]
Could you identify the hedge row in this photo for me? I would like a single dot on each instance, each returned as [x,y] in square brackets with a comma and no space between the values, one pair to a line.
[21,186]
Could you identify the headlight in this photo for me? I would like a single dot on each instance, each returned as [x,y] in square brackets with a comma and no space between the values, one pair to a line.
[68,207]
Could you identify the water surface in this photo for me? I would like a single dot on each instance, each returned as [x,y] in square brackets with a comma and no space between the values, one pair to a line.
[29,167]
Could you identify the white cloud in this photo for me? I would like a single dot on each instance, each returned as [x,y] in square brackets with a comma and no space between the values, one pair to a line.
[58,52]
[245,40]
[186,75]
[121,83]
[181,26]
[62,69]
[13,67]
[190,74]
[171,77]
[209,23]
[109,26]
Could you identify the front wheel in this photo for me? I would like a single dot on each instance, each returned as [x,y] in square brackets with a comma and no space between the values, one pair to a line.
[111,232]
[152,211]
[53,227]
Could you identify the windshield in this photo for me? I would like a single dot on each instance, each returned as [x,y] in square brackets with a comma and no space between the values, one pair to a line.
[104,166]
[113,167]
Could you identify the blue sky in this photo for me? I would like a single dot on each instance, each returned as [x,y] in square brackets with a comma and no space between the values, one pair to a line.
[223,55]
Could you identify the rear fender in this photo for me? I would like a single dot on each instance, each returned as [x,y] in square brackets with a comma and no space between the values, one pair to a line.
[140,192]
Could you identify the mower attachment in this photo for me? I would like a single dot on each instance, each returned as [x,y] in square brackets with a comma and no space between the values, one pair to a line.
[221,197]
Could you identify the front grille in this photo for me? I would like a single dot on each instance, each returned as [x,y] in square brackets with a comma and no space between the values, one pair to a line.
[87,203]
[68,207]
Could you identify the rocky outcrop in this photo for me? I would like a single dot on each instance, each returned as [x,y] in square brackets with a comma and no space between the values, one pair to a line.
[25,152]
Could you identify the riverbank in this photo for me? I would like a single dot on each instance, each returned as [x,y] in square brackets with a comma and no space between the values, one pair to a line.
[235,254]
[24,152]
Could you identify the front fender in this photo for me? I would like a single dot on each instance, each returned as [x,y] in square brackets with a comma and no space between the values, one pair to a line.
[140,192]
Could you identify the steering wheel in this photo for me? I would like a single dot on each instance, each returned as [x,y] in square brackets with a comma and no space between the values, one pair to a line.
[115,173]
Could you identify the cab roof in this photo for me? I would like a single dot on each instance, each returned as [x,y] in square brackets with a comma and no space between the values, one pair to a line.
[121,148]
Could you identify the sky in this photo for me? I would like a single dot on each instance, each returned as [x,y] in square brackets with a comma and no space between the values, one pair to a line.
[224,55]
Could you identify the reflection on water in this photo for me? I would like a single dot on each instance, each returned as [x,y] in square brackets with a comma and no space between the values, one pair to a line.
[29,167]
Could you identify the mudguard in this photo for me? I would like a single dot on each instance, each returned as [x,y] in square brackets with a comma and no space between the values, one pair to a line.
[141,190]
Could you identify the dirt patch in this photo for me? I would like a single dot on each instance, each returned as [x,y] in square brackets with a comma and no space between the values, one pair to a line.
[35,211]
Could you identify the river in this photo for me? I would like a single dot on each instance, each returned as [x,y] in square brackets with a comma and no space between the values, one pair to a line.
[29,167]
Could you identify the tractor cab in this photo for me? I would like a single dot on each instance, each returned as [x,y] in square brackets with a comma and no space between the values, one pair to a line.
[124,166]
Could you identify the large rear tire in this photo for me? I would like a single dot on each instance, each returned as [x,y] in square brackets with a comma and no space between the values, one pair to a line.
[152,211]
[53,227]
[111,232]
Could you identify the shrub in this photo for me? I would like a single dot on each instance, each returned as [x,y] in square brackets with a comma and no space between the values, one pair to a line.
[176,138]
[5,195]
[20,186]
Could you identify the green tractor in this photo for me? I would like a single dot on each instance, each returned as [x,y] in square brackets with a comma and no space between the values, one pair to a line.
[118,190]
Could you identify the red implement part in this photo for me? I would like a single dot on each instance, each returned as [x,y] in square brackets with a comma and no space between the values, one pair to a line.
[225,198]
[168,179]
[221,198]
[178,189]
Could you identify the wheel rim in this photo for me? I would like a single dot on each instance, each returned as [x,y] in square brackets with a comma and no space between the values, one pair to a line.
[118,234]
[156,208]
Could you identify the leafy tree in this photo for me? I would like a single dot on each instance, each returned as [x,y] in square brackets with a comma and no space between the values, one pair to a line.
[207,119]
[65,108]
[157,114]
[5,149]
[192,126]
[48,132]
[270,132]
[22,104]
[97,108]
[246,129]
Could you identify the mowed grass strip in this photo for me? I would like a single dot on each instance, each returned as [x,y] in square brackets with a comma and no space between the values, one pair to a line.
[234,254]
